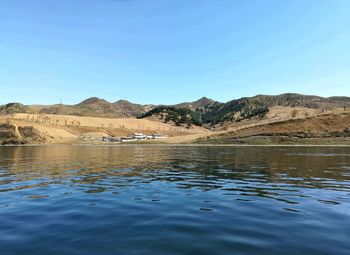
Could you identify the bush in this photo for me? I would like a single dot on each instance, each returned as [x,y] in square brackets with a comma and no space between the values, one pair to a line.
[14,141]
[293,113]
[218,112]
[212,114]
[7,131]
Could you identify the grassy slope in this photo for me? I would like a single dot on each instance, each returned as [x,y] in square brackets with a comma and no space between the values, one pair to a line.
[69,129]
[325,129]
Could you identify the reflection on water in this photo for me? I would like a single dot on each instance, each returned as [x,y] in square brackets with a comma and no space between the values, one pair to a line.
[174,200]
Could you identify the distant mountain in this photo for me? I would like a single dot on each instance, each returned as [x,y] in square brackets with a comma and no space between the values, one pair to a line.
[206,111]
[172,114]
[235,110]
[12,108]
[93,101]
[200,103]
[187,113]
[130,109]
[94,107]
[201,111]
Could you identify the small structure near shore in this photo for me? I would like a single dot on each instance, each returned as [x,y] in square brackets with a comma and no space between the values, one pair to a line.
[133,138]
[159,136]
[111,139]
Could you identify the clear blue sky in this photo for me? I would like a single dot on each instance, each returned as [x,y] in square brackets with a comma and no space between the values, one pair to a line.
[169,51]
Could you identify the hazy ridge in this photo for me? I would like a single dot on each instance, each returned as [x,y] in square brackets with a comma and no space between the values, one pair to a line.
[211,111]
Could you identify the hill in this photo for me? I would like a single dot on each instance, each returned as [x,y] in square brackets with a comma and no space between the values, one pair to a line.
[174,115]
[262,119]
[308,101]
[324,129]
[20,128]
[130,109]
[204,111]
[12,108]
[93,107]
[96,107]
[211,113]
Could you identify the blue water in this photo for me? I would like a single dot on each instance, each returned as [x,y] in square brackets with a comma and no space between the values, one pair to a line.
[174,200]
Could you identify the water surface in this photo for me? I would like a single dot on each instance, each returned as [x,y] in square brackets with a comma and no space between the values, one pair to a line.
[174,200]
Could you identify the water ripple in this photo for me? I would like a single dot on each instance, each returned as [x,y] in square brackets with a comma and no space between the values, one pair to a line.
[174,200]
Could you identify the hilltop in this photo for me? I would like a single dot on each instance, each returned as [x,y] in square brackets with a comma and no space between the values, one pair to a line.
[195,105]
[96,107]
[92,107]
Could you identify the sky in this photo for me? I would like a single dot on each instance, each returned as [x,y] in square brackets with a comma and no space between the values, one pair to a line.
[171,51]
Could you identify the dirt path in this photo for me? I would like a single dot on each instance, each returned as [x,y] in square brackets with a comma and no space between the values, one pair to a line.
[17,133]
[52,134]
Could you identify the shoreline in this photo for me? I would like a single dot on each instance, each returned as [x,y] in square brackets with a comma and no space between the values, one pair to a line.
[177,145]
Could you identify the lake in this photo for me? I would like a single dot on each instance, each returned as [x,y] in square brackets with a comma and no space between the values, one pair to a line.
[174,200]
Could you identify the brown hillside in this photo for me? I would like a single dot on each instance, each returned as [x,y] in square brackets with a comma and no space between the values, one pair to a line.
[329,126]
[129,108]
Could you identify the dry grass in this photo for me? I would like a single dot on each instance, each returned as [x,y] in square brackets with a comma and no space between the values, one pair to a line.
[69,129]
[318,126]
[103,123]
